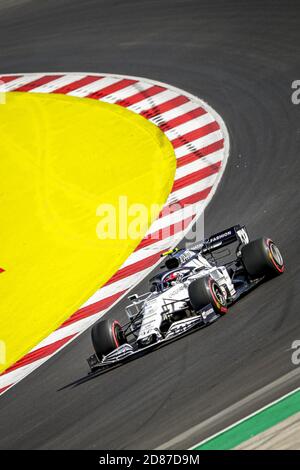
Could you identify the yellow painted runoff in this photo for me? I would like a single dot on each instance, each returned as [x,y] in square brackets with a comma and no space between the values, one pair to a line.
[62,160]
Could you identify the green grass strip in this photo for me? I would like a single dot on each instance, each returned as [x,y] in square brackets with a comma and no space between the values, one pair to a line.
[254,425]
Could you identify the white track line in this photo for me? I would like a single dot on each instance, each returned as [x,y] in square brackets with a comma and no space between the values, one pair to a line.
[227,412]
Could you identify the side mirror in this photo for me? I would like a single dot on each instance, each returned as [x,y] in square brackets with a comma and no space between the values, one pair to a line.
[172,263]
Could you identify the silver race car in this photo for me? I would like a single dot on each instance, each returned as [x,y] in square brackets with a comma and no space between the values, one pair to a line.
[194,289]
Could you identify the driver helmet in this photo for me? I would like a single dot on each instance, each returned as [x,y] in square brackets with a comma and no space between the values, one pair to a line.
[171,279]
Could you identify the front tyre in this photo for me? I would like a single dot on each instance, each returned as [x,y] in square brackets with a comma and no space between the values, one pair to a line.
[204,291]
[107,335]
[262,258]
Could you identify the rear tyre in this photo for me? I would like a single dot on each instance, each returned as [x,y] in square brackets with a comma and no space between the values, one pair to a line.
[107,335]
[262,258]
[204,291]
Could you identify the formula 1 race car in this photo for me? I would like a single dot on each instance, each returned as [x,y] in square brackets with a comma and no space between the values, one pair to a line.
[194,290]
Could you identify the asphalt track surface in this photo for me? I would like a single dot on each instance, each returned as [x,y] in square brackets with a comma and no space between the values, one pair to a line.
[241,57]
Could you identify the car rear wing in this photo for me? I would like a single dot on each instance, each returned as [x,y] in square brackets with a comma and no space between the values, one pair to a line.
[237,233]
